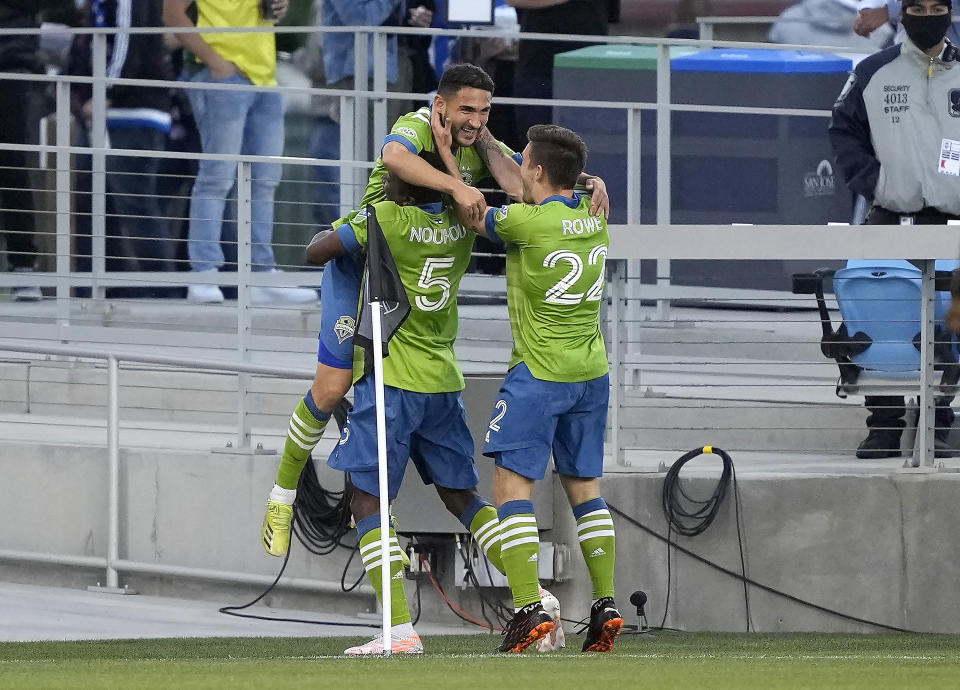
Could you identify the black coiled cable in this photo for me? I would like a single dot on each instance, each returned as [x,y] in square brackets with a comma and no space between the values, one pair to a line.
[687,515]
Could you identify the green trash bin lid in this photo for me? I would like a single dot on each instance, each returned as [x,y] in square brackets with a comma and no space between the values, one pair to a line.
[622,56]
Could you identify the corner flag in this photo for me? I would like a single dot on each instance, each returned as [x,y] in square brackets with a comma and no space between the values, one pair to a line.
[381,281]
[383,310]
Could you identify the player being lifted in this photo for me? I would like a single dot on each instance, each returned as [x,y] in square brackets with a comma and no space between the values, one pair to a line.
[465,91]
[555,394]
[463,103]
[422,380]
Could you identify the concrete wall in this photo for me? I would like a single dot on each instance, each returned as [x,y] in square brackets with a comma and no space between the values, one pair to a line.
[882,548]
[877,547]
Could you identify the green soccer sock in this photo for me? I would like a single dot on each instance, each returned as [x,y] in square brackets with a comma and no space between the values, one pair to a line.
[598,544]
[481,519]
[303,434]
[368,530]
[520,550]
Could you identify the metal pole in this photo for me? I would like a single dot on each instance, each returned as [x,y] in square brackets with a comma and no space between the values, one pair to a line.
[379,84]
[63,208]
[244,319]
[361,112]
[663,169]
[925,425]
[348,176]
[706,28]
[98,141]
[113,454]
[633,288]
[617,280]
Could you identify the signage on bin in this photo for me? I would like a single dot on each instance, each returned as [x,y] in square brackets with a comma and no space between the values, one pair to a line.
[820,182]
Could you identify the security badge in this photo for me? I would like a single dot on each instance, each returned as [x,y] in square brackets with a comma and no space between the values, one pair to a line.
[344,328]
[953,102]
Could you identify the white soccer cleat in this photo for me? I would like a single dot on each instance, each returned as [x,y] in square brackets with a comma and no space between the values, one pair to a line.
[406,644]
[556,640]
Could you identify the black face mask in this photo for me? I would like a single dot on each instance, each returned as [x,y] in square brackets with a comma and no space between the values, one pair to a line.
[926,31]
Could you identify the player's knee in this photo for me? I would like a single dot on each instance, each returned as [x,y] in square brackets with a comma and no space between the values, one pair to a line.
[363,505]
[580,489]
[328,389]
[456,500]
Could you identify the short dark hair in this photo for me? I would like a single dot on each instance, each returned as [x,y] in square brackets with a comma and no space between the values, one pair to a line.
[463,75]
[560,151]
[424,195]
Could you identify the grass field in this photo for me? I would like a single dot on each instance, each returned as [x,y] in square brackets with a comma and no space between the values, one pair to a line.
[663,661]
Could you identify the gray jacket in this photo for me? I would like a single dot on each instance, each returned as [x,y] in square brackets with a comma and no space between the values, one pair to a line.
[890,124]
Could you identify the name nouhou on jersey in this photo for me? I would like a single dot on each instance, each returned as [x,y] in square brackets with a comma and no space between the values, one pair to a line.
[437,235]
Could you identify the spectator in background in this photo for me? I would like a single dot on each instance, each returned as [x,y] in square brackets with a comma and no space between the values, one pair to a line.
[415,50]
[233,122]
[877,14]
[18,124]
[137,117]
[826,23]
[891,132]
[534,72]
[338,47]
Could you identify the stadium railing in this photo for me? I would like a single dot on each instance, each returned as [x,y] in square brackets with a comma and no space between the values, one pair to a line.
[633,242]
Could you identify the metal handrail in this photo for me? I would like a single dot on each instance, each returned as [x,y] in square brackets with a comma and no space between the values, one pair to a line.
[112,562]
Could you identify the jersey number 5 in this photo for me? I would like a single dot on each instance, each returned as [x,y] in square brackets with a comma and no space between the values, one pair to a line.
[559,294]
[428,281]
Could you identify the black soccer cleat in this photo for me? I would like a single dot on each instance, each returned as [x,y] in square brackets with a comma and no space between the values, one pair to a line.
[527,626]
[605,624]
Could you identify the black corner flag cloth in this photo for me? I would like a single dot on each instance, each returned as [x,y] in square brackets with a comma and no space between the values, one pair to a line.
[381,283]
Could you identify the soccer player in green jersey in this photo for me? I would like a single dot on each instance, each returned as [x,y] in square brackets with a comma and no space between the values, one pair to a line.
[463,101]
[555,395]
[422,381]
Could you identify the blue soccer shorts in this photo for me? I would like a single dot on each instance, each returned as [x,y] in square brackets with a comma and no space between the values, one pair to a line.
[339,302]
[531,418]
[428,428]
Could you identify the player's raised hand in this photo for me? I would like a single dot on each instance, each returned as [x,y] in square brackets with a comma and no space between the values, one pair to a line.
[442,132]
[470,204]
[598,193]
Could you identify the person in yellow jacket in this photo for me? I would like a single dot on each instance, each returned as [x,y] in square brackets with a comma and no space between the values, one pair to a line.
[233,122]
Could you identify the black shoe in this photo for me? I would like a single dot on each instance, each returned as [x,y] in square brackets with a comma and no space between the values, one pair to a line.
[528,625]
[880,444]
[605,624]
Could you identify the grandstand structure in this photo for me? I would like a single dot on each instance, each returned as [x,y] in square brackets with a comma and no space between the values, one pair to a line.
[139,435]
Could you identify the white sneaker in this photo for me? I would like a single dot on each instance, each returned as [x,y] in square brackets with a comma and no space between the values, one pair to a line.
[406,644]
[29,293]
[269,294]
[204,294]
[556,640]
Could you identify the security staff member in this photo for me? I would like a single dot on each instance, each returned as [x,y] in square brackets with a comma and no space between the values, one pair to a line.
[895,133]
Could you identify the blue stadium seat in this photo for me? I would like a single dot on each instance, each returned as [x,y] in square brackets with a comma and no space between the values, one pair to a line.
[880,306]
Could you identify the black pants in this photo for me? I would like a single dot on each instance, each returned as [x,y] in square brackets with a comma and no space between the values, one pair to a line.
[138,238]
[17,124]
[887,411]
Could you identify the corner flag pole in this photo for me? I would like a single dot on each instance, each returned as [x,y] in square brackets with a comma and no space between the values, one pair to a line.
[375,315]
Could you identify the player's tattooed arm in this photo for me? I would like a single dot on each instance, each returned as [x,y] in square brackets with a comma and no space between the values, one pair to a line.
[600,202]
[503,168]
[325,246]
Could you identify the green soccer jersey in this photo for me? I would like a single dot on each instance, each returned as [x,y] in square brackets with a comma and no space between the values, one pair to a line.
[413,131]
[432,251]
[555,275]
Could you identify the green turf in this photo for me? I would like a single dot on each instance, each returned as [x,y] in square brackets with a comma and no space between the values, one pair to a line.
[663,661]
